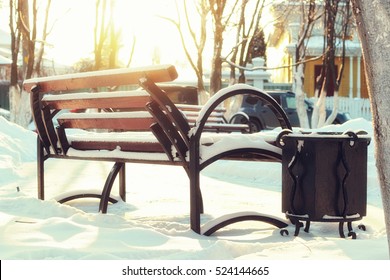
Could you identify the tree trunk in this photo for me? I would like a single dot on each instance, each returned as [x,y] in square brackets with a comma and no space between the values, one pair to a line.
[216,63]
[217,8]
[100,33]
[300,97]
[346,22]
[304,34]
[20,106]
[328,72]
[319,113]
[373,28]
[41,50]
[198,40]
[20,111]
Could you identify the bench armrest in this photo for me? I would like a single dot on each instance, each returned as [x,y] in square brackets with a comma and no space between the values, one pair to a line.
[233,90]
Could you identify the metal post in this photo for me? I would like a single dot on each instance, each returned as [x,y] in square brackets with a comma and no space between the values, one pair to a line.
[122,182]
[40,169]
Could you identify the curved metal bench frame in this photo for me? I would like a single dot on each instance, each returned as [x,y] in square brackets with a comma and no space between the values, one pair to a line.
[188,139]
[171,129]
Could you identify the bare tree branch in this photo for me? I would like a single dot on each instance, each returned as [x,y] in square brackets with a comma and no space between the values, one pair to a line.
[272,68]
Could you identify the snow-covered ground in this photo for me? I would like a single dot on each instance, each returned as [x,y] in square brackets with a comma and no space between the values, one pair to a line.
[154,222]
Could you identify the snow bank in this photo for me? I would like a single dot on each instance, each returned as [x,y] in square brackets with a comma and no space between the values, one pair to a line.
[153,223]
[16,143]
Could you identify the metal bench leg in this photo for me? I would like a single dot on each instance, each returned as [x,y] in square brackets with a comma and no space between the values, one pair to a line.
[195,204]
[122,182]
[307,227]
[40,170]
[108,186]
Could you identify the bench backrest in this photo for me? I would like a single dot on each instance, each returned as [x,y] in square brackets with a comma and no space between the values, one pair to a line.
[50,95]
[102,78]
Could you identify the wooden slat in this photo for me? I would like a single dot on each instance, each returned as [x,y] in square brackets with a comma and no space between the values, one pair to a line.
[192,119]
[197,108]
[96,100]
[216,117]
[196,114]
[103,78]
[223,127]
[94,103]
[122,145]
[106,121]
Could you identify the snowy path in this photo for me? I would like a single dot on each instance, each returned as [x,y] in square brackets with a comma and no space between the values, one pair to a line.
[154,221]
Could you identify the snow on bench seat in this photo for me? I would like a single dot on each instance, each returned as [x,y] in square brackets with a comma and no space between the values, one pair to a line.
[119,155]
[117,143]
[214,144]
[123,141]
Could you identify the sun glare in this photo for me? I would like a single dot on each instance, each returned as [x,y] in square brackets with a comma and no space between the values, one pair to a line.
[71,37]
[157,40]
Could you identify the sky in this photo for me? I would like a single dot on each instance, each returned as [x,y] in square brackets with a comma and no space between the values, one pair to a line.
[72,35]
[72,22]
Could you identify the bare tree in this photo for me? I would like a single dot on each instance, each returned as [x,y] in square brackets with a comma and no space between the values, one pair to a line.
[100,32]
[309,18]
[23,38]
[246,33]
[220,21]
[114,39]
[221,13]
[132,49]
[198,41]
[15,44]
[346,15]
[374,28]
[45,33]
[107,37]
[84,65]
[329,81]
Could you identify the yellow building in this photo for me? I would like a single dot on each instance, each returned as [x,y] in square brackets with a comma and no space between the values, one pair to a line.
[282,50]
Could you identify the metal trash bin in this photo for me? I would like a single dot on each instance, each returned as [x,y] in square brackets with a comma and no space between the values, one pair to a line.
[324,178]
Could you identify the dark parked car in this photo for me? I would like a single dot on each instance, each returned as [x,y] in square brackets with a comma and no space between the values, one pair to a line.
[261,116]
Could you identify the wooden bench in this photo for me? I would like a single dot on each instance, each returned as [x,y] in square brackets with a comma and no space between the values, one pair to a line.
[151,130]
